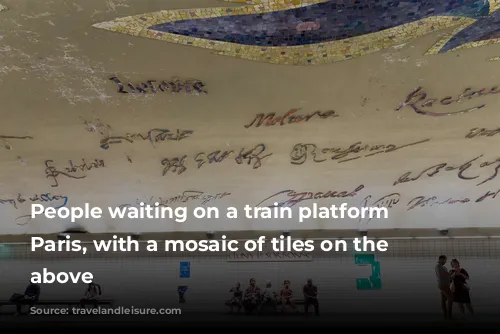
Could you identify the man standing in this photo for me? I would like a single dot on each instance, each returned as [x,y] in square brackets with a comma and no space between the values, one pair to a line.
[311,296]
[443,278]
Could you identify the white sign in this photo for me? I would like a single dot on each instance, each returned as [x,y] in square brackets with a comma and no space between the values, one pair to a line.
[268,256]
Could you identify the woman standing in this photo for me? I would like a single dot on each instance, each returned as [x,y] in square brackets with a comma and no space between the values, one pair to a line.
[460,288]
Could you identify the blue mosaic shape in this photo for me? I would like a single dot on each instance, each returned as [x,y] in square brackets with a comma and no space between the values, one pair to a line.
[374,282]
[323,22]
[185,270]
[481,30]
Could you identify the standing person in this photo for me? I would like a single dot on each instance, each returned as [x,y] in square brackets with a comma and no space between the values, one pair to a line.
[30,297]
[443,278]
[461,296]
[91,295]
[311,297]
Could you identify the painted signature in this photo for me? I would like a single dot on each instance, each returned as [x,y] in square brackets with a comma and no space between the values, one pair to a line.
[291,197]
[436,169]
[302,152]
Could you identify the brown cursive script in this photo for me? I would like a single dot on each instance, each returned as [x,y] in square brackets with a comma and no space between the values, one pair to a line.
[288,118]
[436,169]
[153,136]
[174,86]
[387,201]
[302,152]
[53,172]
[291,197]
[489,194]
[423,201]
[186,196]
[478,132]
[254,156]
[418,100]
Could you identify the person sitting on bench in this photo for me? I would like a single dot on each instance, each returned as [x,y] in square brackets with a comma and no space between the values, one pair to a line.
[91,295]
[252,295]
[311,296]
[30,297]
[268,297]
[237,299]
[287,296]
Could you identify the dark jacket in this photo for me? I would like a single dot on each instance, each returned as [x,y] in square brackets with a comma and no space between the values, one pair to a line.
[33,290]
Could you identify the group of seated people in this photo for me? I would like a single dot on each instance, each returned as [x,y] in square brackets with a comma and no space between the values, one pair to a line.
[32,295]
[253,298]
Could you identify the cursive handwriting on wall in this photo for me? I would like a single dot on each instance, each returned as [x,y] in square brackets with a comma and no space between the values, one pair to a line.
[175,165]
[418,101]
[424,201]
[461,171]
[488,195]
[292,197]
[303,152]
[388,201]
[429,201]
[54,173]
[253,157]
[174,86]
[153,136]
[60,201]
[482,132]
[289,118]
[186,196]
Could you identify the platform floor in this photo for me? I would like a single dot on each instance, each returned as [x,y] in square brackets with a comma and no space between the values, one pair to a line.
[205,320]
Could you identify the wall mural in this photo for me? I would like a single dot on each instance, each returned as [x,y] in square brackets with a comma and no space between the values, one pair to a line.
[306,32]
[423,150]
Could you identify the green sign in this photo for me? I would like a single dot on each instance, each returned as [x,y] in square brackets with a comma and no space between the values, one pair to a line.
[374,282]
[4,251]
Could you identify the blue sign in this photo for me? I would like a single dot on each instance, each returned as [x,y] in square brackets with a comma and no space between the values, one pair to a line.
[185,270]
[374,282]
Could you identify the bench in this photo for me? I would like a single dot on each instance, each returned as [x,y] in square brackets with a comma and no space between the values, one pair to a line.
[298,302]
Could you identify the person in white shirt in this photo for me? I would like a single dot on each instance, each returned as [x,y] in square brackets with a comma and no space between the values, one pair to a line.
[92,295]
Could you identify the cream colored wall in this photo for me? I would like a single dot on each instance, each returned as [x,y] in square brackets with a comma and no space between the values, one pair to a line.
[54,70]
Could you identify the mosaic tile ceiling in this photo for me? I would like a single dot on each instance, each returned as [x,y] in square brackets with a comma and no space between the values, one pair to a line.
[302,32]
